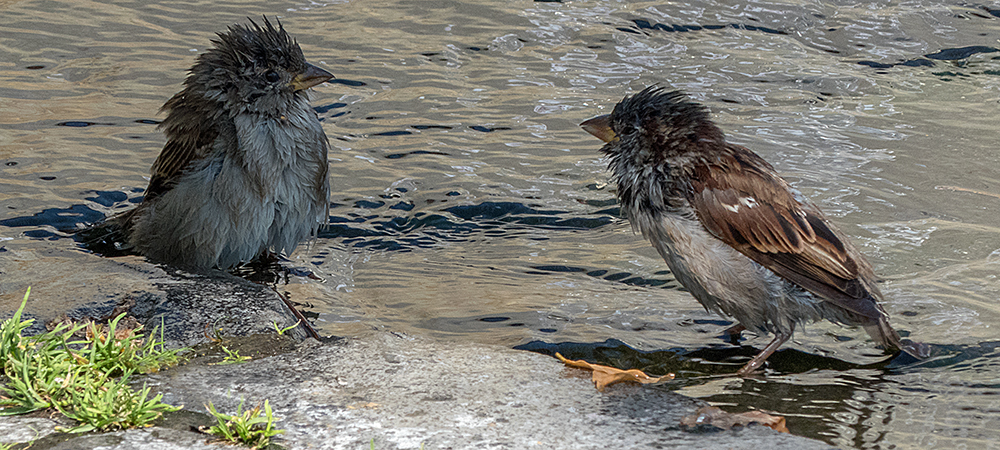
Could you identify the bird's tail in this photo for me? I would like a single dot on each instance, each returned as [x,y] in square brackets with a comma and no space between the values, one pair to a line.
[108,237]
[889,339]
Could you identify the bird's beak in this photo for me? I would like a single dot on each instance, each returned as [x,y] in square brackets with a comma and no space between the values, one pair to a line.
[600,127]
[311,77]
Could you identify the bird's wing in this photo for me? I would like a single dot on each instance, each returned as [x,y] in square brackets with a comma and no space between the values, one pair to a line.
[187,141]
[742,202]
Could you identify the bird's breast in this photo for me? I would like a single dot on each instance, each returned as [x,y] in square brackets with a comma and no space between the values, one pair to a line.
[719,277]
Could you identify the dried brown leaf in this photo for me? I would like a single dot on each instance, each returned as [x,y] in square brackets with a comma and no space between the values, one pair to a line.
[712,416]
[604,376]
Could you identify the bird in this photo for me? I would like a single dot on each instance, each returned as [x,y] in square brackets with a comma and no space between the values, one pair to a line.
[244,171]
[735,234]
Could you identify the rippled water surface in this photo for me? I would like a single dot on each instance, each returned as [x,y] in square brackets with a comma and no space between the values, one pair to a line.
[468,205]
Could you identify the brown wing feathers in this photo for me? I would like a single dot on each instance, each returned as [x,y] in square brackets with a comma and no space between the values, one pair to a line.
[743,204]
[186,141]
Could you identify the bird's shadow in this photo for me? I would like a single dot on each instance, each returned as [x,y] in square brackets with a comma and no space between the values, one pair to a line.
[693,366]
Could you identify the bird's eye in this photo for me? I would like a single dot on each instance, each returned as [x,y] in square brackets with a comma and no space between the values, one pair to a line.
[272,76]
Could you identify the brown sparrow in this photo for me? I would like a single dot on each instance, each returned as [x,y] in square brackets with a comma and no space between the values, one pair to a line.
[733,232]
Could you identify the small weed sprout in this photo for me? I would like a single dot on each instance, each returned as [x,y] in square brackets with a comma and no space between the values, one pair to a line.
[281,331]
[248,428]
[232,357]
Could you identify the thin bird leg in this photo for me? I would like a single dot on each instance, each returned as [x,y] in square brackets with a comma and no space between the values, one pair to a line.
[298,315]
[758,360]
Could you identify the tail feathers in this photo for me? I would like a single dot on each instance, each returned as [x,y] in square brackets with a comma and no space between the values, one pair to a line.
[889,339]
[108,238]
[885,335]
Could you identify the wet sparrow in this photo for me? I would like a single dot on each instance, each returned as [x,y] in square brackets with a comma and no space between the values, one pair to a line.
[734,233]
[244,169]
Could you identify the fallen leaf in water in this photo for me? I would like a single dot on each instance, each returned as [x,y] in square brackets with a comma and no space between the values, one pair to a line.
[715,417]
[604,376]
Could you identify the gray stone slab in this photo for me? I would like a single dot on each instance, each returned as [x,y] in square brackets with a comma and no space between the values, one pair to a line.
[400,392]
[404,392]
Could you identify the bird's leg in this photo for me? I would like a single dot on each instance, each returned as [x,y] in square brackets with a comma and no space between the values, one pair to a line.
[758,360]
[733,333]
[298,315]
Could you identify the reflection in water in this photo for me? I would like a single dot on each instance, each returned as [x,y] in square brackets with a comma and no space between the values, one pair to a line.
[468,205]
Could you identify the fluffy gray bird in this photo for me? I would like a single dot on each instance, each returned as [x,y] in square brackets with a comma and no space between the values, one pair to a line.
[733,232]
[244,169]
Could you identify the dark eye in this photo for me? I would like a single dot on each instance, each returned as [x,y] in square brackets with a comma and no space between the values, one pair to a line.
[272,76]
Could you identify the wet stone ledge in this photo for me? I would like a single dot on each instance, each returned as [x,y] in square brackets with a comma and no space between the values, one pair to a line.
[398,391]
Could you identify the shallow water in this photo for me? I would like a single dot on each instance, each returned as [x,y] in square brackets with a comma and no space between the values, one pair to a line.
[468,205]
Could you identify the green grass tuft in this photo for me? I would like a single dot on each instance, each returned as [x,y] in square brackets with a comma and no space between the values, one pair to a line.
[248,428]
[84,379]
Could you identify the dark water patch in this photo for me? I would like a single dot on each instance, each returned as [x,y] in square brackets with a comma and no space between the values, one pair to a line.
[955,357]
[509,212]
[62,219]
[453,224]
[620,277]
[346,82]
[951,54]
[494,319]
[392,133]
[492,323]
[875,65]
[322,109]
[643,24]
[949,75]
[80,124]
[108,198]
[415,152]
[147,121]
[991,11]
[485,129]
[601,203]
[919,62]
[948,54]
[402,206]
[430,127]
[365,204]
[35,67]
[719,322]
[559,269]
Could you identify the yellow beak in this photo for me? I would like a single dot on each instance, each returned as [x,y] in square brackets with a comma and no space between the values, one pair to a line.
[311,77]
[600,127]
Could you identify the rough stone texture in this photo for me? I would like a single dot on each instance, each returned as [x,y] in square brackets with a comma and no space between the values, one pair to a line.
[400,391]
[190,306]
[403,392]
[26,428]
